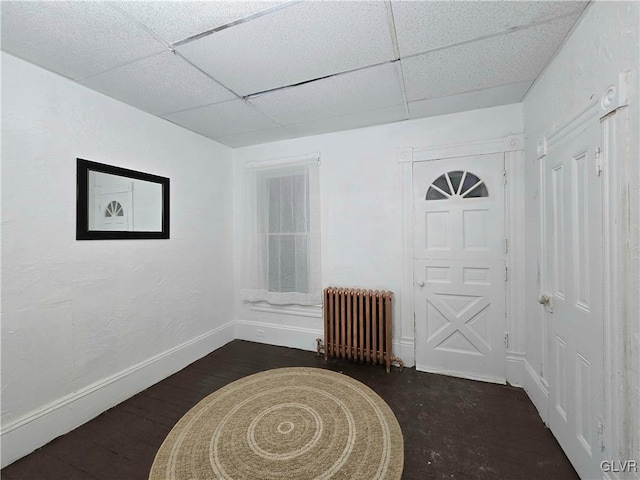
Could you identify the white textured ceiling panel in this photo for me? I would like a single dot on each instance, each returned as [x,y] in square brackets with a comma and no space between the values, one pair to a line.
[510,58]
[255,137]
[222,119]
[159,84]
[174,21]
[75,39]
[490,97]
[301,42]
[426,25]
[365,89]
[347,122]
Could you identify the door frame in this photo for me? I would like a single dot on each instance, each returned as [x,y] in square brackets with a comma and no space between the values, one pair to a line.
[512,147]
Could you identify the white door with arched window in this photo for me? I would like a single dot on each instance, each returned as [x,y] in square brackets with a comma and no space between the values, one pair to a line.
[459,266]
[113,209]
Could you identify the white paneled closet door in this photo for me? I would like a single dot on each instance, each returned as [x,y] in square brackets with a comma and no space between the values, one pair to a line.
[572,298]
[459,266]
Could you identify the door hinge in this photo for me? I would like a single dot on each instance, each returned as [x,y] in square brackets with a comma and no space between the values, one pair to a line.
[506,340]
[598,156]
[504,176]
[506,273]
[506,245]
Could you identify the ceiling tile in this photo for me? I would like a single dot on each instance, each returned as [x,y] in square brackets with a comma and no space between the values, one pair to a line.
[509,58]
[302,42]
[174,21]
[75,39]
[490,97]
[160,84]
[423,26]
[365,89]
[347,122]
[222,119]
[254,138]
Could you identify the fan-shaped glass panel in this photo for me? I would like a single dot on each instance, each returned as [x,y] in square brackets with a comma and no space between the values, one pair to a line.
[433,194]
[114,209]
[442,184]
[455,178]
[457,183]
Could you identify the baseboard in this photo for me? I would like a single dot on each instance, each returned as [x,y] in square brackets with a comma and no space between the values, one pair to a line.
[276,334]
[516,371]
[537,389]
[24,435]
[305,338]
[405,349]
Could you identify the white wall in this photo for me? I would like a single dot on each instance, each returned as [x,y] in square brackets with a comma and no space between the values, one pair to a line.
[604,43]
[86,324]
[361,211]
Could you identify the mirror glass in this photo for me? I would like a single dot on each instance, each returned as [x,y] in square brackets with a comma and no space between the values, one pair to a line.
[118,203]
[124,204]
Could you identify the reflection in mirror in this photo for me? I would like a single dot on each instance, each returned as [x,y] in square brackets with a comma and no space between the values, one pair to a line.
[118,203]
[124,204]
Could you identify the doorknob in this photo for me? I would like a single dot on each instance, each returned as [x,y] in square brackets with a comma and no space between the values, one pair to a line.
[545,299]
[420,283]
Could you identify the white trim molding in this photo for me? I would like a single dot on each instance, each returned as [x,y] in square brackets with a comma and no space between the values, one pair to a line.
[285,161]
[407,349]
[438,152]
[515,252]
[407,318]
[24,435]
[535,386]
[621,388]
[278,334]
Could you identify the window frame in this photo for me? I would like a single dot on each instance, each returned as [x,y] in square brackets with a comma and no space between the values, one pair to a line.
[255,286]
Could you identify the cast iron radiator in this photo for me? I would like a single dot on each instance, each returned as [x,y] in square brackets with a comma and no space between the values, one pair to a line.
[357,326]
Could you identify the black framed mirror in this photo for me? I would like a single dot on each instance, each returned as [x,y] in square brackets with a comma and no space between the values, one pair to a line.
[114,203]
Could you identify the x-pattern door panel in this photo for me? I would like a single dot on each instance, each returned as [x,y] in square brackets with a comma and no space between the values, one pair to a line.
[458,318]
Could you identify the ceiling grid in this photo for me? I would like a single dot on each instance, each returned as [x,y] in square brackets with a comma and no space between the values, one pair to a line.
[251,72]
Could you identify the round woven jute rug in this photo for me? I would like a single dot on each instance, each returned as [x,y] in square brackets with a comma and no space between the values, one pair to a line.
[288,423]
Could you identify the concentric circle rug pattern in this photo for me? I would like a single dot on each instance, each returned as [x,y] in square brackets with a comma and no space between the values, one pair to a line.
[288,423]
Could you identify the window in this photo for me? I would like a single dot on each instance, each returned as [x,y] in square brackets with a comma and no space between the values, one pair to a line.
[461,184]
[114,209]
[283,251]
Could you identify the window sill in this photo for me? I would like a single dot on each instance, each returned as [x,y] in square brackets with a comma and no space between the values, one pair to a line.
[314,311]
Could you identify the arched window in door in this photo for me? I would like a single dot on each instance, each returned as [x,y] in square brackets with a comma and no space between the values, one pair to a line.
[114,209]
[457,183]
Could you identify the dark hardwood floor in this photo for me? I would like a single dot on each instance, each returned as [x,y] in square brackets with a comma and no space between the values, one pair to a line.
[453,428]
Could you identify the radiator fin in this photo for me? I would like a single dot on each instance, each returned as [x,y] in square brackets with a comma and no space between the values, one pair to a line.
[357,325]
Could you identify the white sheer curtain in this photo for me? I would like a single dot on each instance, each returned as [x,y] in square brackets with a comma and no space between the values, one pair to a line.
[282,233]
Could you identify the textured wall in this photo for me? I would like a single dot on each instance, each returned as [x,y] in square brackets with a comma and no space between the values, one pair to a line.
[77,312]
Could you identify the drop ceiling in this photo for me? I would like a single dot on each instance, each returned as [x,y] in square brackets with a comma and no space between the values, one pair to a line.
[244,72]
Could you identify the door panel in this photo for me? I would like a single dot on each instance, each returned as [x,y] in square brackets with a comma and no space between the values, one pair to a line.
[459,266]
[573,279]
[460,318]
